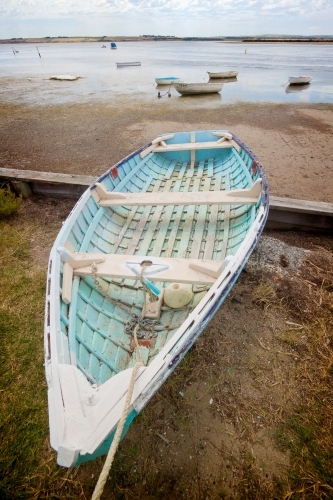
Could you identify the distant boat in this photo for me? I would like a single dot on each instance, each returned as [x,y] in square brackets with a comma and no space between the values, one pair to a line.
[187,88]
[120,65]
[167,80]
[103,46]
[113,45]
[222,74]
[64,77]
[299,80]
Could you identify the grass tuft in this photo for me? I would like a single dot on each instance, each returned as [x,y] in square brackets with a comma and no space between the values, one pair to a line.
[9,202]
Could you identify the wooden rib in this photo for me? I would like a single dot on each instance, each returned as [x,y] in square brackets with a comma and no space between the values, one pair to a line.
[187,228]
[129,220]
[211,232]
[199,228]
[210,172]
[178,216]
[141,224]
[170,170]
[151,226]
[226,222]
[158,246]
[192,150]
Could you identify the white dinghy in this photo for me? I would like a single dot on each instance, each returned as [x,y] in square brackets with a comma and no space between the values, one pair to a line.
[222,74]
[299,80]
[187,88]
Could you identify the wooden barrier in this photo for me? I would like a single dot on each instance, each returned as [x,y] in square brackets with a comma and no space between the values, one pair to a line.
[284,213]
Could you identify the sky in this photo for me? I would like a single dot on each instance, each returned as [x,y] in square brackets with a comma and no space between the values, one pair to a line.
[39,18]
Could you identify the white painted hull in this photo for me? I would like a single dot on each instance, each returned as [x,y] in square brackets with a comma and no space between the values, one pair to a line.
[120,65]
[166,81]
[299,80]
[222,74]
[186,88]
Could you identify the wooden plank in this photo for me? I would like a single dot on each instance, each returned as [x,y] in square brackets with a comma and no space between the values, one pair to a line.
[235,197]
[179,270]
[285,213]
[57,178]
[188,146]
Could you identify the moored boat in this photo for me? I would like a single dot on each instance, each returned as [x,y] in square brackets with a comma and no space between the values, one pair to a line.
[299,80]
[189,88]
[113,45]
[166,80]
[141,265]
[123,64]
[222,74]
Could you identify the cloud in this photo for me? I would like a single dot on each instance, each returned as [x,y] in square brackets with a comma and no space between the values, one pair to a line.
[12,9]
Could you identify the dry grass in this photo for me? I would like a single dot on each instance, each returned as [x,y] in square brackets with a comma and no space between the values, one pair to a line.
[247,415]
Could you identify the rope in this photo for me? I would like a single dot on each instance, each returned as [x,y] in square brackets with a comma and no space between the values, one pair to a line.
[116,440]
[168,93]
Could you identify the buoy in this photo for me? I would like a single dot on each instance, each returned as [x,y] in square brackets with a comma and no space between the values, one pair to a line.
[178,295]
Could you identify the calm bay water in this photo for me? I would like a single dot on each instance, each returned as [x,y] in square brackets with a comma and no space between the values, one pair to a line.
[263,71]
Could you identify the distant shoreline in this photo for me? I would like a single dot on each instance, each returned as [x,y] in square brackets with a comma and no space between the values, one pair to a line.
[152,38]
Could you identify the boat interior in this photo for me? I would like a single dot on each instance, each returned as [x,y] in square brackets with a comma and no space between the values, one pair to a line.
[97,316]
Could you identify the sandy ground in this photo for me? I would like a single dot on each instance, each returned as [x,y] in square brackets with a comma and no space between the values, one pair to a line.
[294,142]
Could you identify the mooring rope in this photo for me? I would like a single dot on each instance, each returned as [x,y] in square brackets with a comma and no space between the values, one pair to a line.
[146,331]
[116,440]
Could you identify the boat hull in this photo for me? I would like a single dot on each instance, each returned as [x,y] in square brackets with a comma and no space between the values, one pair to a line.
[222,74]
[122,65]
[88,353]
[185,88]
[299,80]
[166,81]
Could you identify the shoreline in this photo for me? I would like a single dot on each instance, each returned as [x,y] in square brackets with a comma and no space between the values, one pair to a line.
[146,38]
[294,142]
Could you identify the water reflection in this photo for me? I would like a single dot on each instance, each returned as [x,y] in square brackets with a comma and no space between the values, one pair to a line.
[223,80]
[296,88]
[208,97]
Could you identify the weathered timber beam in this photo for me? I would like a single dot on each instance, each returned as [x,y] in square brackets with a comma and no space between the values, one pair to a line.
[284,213]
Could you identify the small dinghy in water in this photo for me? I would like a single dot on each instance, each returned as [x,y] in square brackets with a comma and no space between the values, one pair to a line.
[141,265]
[299,80]
[191,88]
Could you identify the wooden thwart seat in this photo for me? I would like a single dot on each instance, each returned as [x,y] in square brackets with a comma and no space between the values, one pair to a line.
[191,271]
[159,145]
[235,197]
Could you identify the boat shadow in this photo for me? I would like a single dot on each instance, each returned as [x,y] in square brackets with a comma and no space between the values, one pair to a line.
[297,88]
[216,96]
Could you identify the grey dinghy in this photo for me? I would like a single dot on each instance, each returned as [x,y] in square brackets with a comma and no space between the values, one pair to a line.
[192,207]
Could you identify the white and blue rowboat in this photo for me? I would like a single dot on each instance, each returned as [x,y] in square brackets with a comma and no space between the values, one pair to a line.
[191,206]
[113,45]
[167,80]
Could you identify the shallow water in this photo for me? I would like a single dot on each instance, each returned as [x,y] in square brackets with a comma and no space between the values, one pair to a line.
[263,71]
